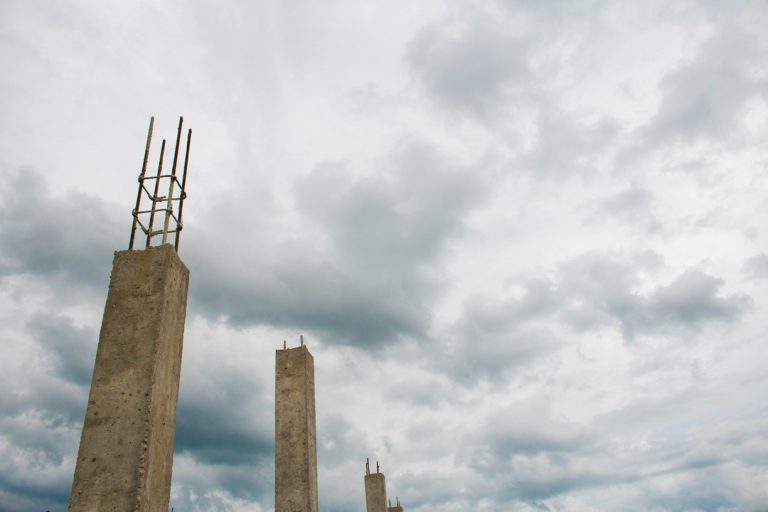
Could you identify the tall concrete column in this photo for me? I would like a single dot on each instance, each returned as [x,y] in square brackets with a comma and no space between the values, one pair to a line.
[375,490]
[295,437]
[126,448]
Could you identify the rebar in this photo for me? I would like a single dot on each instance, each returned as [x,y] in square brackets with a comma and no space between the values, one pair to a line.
[141,181]
[171,182]
[183,195]
[161,204]
[154,195]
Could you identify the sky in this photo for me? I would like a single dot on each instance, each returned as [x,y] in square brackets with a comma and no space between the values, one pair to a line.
[524,240]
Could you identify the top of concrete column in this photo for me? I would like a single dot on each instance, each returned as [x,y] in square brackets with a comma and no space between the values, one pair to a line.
[301,348]
[159,254]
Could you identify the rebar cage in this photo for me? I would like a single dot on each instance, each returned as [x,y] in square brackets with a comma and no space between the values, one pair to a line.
[161,211]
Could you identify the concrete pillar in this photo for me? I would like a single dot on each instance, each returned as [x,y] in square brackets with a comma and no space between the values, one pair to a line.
[397,508]
[375,490]
[295,438]
[126,448]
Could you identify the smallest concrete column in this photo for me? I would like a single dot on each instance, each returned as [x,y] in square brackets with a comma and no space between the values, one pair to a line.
[397,508]
[375,490]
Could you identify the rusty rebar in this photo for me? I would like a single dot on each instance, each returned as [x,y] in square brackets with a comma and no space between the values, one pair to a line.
[154,196]
[161,204]
[141,182]
[183,194]
[169,202]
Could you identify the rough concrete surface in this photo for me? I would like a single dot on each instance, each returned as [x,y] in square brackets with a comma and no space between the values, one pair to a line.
[375,493]
[295,437]
[126,448]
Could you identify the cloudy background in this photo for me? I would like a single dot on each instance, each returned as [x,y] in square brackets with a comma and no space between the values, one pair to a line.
[525,241]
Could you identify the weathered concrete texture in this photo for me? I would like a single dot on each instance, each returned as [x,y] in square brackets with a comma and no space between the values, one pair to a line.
[295,437]
[375,493]
[126,448]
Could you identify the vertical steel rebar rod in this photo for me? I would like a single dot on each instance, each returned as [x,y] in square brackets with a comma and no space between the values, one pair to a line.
[183,194]
[169,201]
[141,182]
[154,196]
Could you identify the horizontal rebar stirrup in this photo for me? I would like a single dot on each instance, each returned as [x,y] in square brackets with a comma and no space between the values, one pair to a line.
[161,205]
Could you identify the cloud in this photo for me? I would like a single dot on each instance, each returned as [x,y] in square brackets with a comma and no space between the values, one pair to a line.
[223,488]
[214,430]
[396,221]
[521,428]
[475,328]
[757,266]
[71,347]
[705,98]
[690,300]
[565,144]
[499,354]
[726,487]
[524,453]
[497,336]
[598,288]
[364,271]
[224,450]
[498,70]
[40,420]
[69,238]
[396,217]
[468,65]
[527,456]
[592,291]
[633,205]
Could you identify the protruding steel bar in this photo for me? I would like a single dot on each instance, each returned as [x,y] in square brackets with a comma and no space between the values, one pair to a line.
[174,184]
[154,196]
[141,179]
[169,208]
[183,194]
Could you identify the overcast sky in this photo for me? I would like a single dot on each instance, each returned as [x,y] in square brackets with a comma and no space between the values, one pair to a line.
[525,241]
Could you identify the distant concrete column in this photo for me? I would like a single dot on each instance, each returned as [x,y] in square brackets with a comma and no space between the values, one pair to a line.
[375,490]
[295,437]
[126,448]
[397,508]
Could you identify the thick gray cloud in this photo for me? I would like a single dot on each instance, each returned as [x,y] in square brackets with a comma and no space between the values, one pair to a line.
[70,237]
[207,416]
[40,421]
[598,288]
[72,347]
[396,222]
[589,293]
